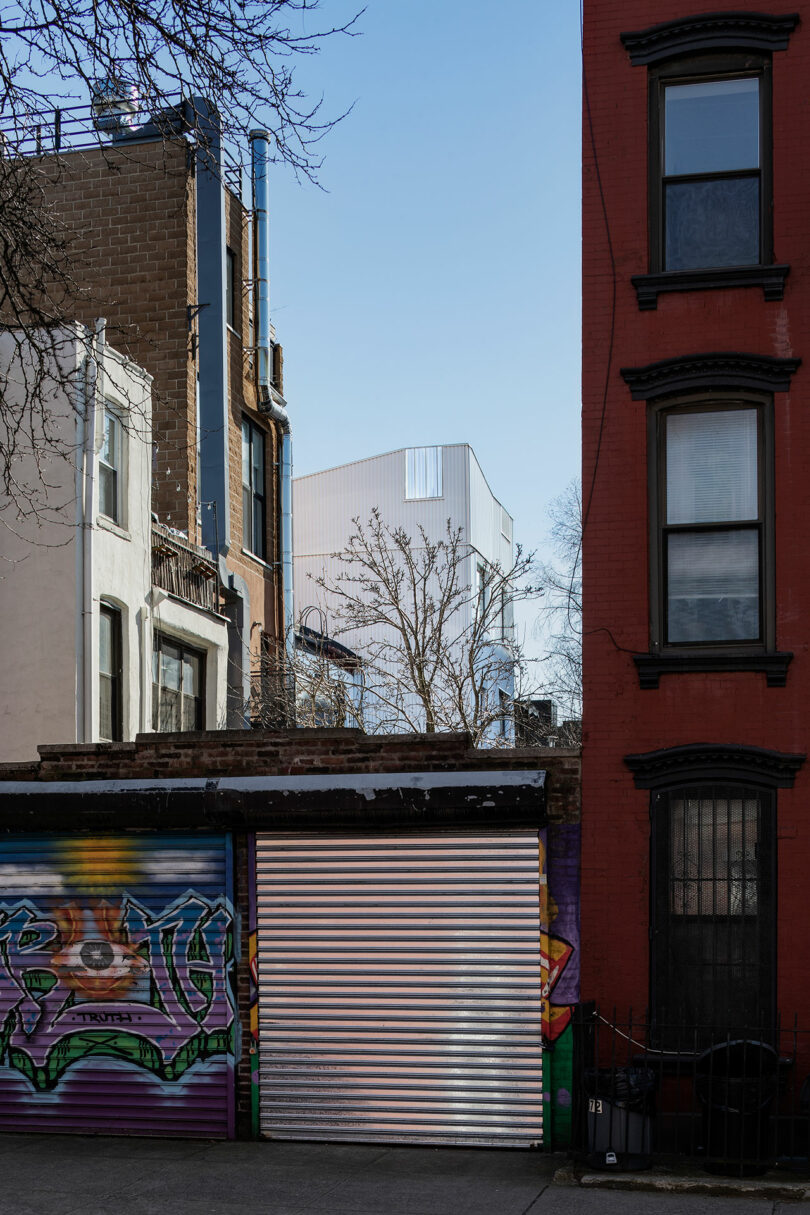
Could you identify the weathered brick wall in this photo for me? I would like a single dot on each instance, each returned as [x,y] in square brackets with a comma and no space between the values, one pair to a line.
[129,216]
[619,717]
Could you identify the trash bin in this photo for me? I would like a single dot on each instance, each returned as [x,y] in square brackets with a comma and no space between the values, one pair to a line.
[736,1083]
[619,1105]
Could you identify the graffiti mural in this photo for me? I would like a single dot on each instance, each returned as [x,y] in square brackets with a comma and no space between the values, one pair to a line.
[113,964]
[560,969]
[149,989]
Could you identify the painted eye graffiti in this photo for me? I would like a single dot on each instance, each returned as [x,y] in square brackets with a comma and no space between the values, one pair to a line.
[99,969]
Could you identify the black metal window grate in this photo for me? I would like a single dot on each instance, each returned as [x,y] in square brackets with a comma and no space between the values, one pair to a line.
[713,941]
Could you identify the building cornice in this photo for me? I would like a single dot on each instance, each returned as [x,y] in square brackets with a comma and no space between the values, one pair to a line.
[696,372]
[709,32]
[715,762]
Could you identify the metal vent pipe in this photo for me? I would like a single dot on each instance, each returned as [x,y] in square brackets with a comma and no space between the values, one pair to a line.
[271,402]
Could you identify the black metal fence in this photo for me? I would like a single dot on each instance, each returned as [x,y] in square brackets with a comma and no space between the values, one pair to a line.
[738,1106]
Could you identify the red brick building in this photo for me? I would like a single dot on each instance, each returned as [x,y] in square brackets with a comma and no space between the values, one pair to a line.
[696,579]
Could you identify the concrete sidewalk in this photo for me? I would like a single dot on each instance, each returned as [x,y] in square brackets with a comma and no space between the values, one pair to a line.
[63,1175]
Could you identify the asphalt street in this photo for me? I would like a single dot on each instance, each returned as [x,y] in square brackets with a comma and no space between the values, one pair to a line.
[61,1174]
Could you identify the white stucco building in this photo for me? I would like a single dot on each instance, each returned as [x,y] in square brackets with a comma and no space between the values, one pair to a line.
[413,488]
[109,621]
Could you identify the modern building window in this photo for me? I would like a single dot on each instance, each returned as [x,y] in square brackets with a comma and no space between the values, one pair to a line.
[253,499]
[231,315]
[713,955]
[712,551]
[423,472]
[111,466]
[711,180]
[110,675]
[178,685]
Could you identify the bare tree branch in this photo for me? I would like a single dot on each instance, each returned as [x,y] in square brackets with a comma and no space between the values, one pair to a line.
[437,653]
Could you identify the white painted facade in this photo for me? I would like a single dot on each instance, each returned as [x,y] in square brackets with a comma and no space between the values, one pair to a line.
[326,503]
[59,569]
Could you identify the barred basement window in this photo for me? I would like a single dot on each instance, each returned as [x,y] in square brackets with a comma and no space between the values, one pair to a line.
[713,956]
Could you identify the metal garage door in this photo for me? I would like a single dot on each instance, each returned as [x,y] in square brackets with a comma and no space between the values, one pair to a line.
[116,1011]
[399,988]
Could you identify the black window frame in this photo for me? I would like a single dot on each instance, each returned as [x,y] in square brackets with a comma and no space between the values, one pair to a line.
[700,69]
[114,678]
[735,43]
[231,293]
[160,640]
[660,530]
[254,498]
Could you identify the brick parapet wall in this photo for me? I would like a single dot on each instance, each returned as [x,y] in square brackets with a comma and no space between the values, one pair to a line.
[299,752]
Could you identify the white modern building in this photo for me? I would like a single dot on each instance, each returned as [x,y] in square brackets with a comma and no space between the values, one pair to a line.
[413,488]
[110,622]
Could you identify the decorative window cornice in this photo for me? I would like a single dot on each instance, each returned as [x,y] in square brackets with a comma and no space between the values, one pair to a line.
[709,32]
[695,372]
[714,762]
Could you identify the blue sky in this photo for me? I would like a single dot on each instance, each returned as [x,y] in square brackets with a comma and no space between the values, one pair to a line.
[430,294]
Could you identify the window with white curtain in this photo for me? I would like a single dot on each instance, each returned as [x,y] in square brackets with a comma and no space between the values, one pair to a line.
[423,472]
[711,524]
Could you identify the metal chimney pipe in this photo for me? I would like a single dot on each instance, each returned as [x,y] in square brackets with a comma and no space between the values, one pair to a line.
[271,402]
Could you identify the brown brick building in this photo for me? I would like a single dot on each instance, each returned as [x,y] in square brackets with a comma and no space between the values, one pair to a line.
[162,244]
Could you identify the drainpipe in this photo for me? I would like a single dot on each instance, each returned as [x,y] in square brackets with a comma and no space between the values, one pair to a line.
[271,402]
[94,390]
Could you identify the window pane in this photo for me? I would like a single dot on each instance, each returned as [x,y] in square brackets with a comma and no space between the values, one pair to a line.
[191,675]
[423,472]
[111,443]
[245,453]
[711,127]
[105,643]
[257,545]
[712,466]
[712,223]
[713,586]
[169,666]
[258,461]
[247,519]
[105,708]
[107,492]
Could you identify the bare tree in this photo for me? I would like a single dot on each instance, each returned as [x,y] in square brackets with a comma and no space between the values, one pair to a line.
[239,55]
[561,615]
[432,626]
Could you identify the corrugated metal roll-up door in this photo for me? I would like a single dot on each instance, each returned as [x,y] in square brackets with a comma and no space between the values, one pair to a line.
[400,988]
[116,1007]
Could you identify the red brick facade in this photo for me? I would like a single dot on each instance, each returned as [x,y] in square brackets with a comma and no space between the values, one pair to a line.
[732,707]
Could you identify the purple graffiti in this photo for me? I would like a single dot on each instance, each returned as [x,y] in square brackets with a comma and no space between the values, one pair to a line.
[161,980]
